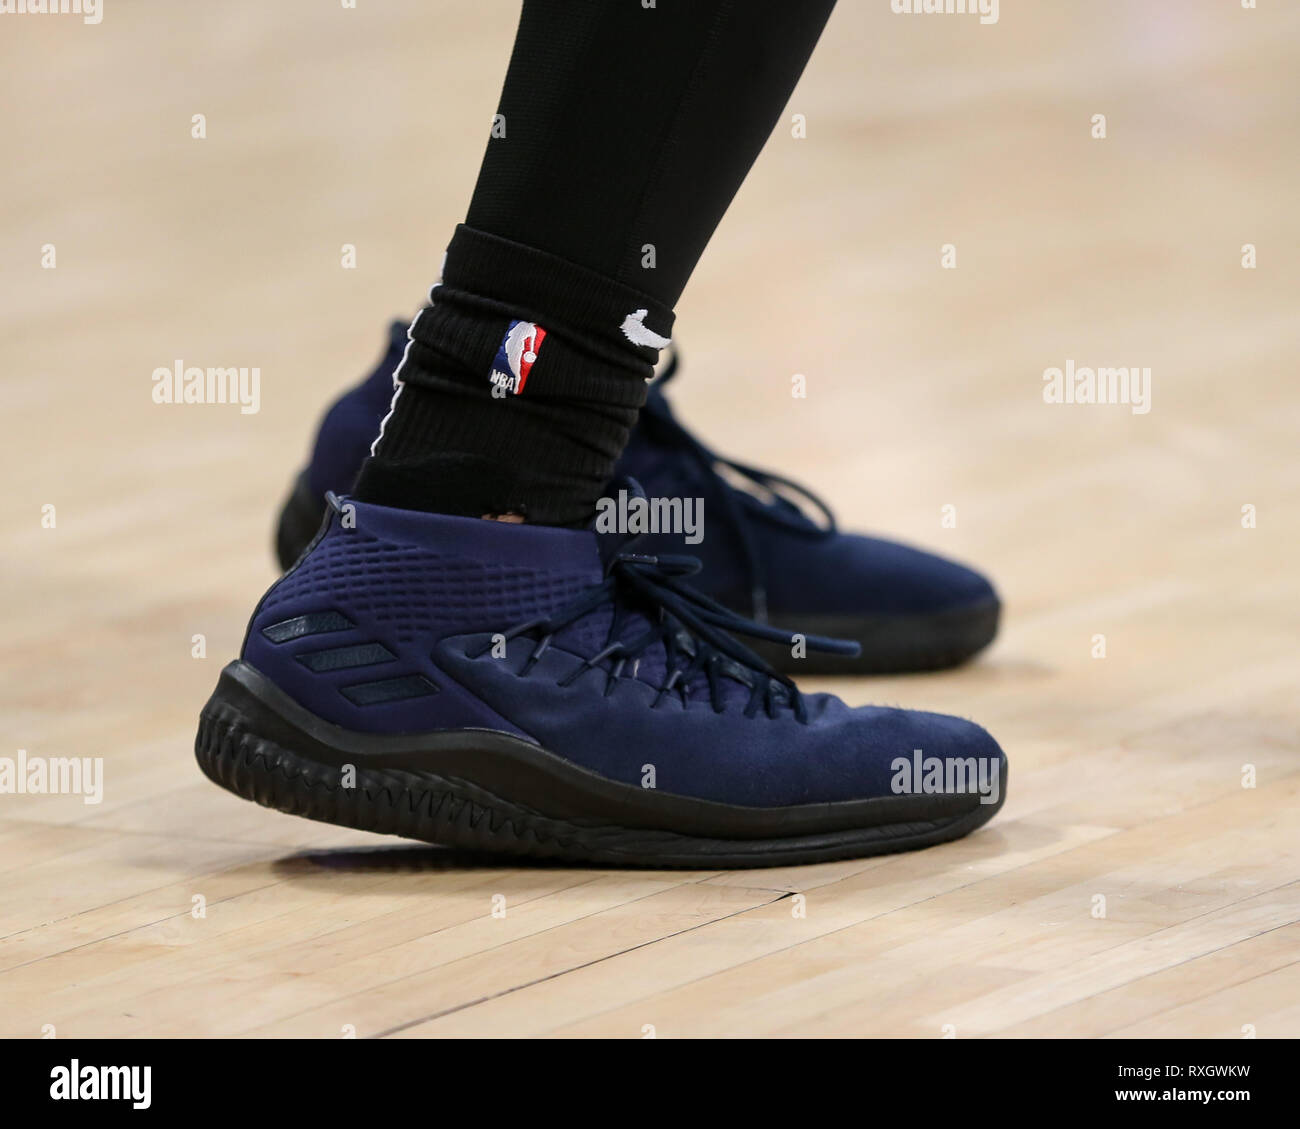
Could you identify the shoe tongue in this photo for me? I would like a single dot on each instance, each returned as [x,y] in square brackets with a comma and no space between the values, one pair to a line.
[663,453]
[591,633]
[611,540]
[398,336]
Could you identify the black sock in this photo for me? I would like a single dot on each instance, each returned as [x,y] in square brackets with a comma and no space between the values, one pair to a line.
[622,135]
[478,431]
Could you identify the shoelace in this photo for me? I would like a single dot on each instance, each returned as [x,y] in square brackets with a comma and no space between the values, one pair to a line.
[694,630]
[662,427]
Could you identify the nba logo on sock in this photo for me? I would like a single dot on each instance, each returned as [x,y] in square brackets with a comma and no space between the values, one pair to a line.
[516,355]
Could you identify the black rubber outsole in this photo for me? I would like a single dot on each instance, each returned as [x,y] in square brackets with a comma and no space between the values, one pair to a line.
[257,743]
[903,644]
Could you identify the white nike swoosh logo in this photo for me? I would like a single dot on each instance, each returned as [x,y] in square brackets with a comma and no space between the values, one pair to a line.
[634,330]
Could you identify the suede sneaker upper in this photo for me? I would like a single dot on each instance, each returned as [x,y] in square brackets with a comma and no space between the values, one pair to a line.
[400,622]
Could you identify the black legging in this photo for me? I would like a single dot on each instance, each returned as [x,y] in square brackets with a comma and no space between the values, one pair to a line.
[627,125]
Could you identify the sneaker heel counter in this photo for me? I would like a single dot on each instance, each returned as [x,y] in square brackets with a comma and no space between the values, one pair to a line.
[271,611]
[319,637]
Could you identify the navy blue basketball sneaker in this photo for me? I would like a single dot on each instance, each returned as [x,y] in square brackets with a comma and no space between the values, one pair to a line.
[549,692]
[764,557]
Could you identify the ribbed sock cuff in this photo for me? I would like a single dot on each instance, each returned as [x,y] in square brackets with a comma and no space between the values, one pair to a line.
[522,381]
[607,320]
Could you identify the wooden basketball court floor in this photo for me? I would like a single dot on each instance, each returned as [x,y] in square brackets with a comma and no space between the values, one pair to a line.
[1134,884]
